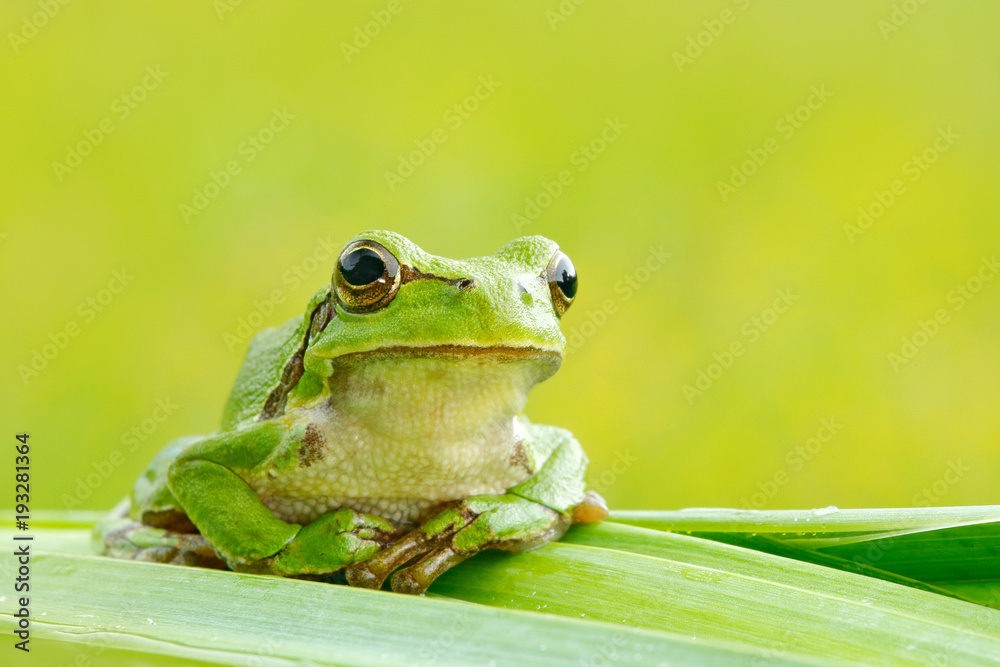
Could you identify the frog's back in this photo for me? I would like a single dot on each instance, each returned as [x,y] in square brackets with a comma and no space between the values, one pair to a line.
[261,371]
[273,364]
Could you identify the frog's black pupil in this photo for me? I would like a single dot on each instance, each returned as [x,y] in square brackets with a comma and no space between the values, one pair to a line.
[565,275]
[362,267]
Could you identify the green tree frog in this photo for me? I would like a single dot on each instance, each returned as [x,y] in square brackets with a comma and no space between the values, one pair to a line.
[379,433]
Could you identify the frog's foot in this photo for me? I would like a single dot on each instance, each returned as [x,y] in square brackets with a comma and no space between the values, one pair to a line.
[133,540]
[506,522]
[592,509]
[332,541]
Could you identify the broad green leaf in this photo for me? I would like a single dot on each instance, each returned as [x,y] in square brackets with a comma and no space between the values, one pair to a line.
[239,619]
[703,588]
[818,523]
[953,549]
[766,589]
[985,593]
[95,653]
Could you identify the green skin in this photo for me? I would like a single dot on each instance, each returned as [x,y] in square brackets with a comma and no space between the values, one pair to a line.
[399,443]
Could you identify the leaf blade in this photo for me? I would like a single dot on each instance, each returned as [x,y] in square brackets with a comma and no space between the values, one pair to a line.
[937,546]
[733,594]
[225,616]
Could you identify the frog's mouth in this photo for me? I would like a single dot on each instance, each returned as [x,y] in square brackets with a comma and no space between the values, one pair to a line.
[496,352]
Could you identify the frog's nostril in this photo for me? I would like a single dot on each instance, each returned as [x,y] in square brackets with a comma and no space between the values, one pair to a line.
[524,293]
[466,284]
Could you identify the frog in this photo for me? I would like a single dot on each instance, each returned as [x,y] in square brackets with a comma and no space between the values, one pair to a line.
[380,434]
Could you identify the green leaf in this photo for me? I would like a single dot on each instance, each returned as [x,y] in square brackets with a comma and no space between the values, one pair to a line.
[606,594]
[693,586]
[239,619]
[946,549]
[819,523]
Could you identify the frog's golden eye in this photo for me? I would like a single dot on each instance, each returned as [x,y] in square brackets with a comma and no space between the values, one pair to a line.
[366,278]
[561,275]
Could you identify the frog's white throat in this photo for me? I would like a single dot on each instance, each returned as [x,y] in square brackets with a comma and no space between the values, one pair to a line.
[402,431]
[439,394]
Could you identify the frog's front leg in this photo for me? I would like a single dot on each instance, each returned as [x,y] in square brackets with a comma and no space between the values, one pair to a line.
[244,532]
[481,522]
[529,515]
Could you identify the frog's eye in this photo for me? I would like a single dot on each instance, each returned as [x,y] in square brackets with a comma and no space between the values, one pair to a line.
[366,278]
[561,275]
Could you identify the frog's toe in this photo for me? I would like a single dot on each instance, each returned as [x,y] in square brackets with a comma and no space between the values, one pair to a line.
[372,572]
[360,576]
[592,509]
[421,544]
[132,540]
[416,578]
[508,522]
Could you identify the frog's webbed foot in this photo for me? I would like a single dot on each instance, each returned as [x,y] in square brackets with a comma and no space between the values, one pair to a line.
[330,542]
[506,522]
[132,540]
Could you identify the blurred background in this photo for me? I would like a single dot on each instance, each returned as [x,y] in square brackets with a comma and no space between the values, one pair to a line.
[784,219]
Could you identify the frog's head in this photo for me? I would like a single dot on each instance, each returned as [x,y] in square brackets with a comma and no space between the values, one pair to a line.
[393,298]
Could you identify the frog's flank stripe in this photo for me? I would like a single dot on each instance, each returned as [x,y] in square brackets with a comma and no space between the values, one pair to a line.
[275,404]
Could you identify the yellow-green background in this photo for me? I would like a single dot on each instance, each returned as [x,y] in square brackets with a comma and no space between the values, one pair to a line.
[621,391]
